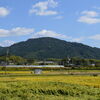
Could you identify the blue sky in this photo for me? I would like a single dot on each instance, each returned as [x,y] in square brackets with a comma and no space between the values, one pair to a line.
[70,20]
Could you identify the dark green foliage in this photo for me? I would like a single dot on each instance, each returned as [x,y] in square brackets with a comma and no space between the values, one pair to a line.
[80,62]
[17,60]
[44,48]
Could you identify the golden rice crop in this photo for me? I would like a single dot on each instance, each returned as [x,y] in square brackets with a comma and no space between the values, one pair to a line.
[81,80]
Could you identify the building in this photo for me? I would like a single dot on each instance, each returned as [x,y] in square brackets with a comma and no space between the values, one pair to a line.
[38,71]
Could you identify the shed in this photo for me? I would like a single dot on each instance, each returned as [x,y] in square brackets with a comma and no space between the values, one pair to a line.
[38,71]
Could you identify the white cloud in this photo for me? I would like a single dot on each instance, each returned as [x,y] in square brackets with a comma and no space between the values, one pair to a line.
[95,37]
[4,12]
[4,33]
[80,39]
[21,31]
[89,17]
[89,20]
[18,31]
[42,8]
[90,13]
[6,43]
[59,17]
[49,33]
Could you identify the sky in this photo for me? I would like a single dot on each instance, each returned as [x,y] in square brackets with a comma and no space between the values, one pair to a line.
[70,20]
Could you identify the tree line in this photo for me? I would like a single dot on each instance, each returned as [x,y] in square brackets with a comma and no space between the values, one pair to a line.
[67,62]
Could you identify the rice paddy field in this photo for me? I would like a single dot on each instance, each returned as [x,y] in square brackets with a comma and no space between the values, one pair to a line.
[50,85]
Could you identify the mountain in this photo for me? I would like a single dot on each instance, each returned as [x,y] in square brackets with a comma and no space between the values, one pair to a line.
[1,50]
[47,47]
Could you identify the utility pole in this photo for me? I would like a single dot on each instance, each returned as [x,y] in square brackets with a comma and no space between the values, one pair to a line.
[7,54]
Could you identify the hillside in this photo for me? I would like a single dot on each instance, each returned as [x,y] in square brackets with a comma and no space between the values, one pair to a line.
[42,48]
[2,50]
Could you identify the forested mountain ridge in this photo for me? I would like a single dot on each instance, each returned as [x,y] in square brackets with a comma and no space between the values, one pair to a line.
[47,47]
